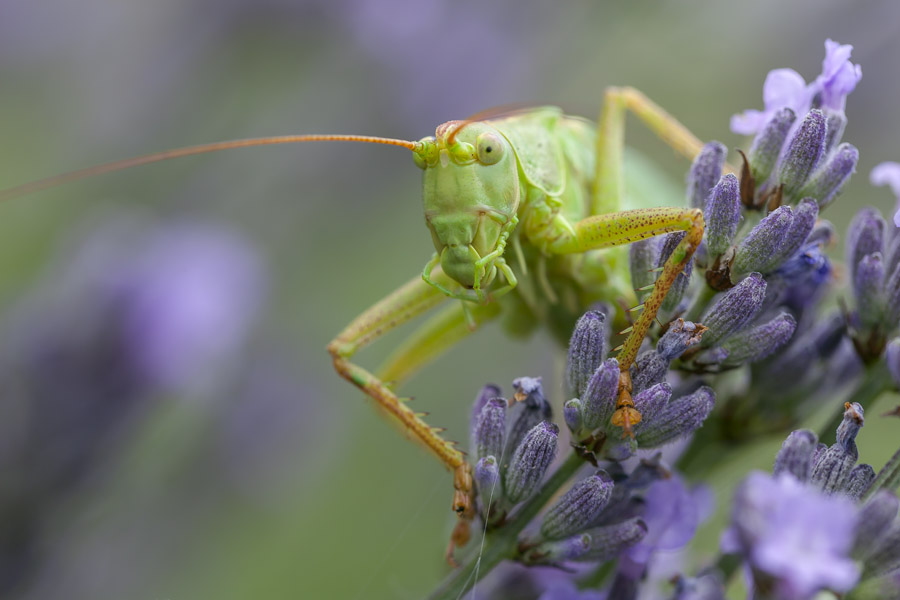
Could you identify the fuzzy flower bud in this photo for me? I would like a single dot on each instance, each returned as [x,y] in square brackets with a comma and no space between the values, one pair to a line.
[579,507]
[487,478]
[525,414]
[489,429]
[805,214]
[804,152]
[650,402]
[761,341]
[607,542]
[642,259]
[768,143]
[864,236]
[892,356]
[795,456]
[679,286]
[556,551]
[876,517]
[761,249]
[600,396]
[530,462]
[850,425]
[705,172]
[835,123]
[587,349]
[868,279]
[650,367]
[832,469]
[734,309]
[858,482]
[680,417]
[827,181]
[722,214]
[573,415]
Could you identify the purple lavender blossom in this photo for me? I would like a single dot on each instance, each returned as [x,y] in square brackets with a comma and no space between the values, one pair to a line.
[888,173]
[794,534]
[787,88]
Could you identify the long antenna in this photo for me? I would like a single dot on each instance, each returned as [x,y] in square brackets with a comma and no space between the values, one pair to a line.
[117,165]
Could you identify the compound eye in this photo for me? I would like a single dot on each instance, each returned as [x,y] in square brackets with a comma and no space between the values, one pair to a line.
[490,148]
[426,151]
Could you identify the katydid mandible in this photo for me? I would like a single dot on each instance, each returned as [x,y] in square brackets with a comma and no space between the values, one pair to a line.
[527,216]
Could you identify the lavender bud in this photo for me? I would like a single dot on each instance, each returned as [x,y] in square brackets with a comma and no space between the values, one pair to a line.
[607,542]
[761,249]
[487,392]
[864,236]
[524,416]
[722,214]
[600,396]
[578,507]
[867,282]
[805,215]
[711,357]
[835,123]
[823,233]
[587,349]
[795,456]
[804,152]
[761,341]
[572,413]
[487,478]
[704,173]
[679,286]
[767,144]
[734,309]
[891,299]
[680,336]
[892,357]
[560,550]
[850,425]
[531,460]
[649,368]
[681,416]
[858,482]
[875,519]
[826,182]
[489,429]
[651,402]
[831,471]
[642,260]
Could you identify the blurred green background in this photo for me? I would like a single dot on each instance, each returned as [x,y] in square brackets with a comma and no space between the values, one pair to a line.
[342,506]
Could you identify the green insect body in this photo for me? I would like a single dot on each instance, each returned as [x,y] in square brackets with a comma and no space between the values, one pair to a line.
[521,181]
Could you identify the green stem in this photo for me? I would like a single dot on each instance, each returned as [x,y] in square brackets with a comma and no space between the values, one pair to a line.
[875,381]
[503,543]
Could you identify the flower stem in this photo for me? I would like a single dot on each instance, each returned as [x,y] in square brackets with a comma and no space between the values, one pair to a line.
[503,543]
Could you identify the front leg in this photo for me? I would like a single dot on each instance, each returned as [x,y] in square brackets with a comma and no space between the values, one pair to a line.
[434,338]
[616,229]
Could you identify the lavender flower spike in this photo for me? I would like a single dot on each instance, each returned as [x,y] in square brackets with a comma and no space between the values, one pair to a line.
[761,341]
[803,154]
[892,356]
[795,535]
[761,249]
[705,172]
[600,397]
[530,462]
[888,173]
[796,454]
[578,508]
[681,416]
[825,184]
[734,309]
[587,349]
[767,144]
[723,214]
[489,429]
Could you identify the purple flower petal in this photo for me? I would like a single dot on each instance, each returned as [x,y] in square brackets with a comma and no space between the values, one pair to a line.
[888,173]
[839,76]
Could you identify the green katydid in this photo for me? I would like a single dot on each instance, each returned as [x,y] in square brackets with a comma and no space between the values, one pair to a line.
[526,214]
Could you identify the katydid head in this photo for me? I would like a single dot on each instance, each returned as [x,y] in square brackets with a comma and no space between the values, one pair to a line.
[471,196]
